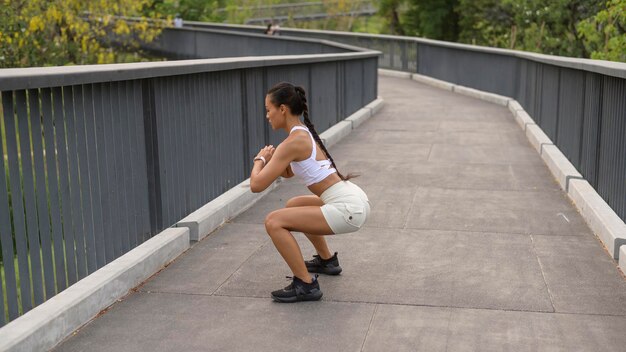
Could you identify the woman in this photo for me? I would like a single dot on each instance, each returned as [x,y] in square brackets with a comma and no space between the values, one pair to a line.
[337,206]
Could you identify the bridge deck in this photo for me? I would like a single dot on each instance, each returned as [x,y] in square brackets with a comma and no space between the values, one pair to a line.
[471,246]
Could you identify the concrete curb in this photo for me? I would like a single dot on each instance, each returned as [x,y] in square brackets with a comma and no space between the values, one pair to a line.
[523,119]
[49,323]
[537,138]
[560,166]
[223,208]
[359,117]
[334,134]
[475,93]
[239,198]
[600,217]
[514,107]
[374,106]
[433,82]
[392,73]
[622,259]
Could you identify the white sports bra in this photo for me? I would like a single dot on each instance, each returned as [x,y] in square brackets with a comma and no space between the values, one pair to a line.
[311,170]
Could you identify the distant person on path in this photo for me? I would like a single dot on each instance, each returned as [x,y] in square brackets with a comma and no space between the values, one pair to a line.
[276,29]
[178,21]
[337,205]
[272,29]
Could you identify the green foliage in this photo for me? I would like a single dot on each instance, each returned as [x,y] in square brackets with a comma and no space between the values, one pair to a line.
[389,10]
[67,32]
[577,28]
[549,27]
[190,10]
[435,19]
[485,22]
[370,24]
[604,35]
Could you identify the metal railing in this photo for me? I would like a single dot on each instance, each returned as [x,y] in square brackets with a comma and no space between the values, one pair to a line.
[579,103]
[100,158]
[304,11]
[194,43]
[311,17]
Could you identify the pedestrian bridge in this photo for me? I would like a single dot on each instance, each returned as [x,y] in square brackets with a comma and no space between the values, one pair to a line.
[472,245]
[475,242]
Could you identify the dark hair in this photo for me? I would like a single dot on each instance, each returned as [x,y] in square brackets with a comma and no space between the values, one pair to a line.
[295,98]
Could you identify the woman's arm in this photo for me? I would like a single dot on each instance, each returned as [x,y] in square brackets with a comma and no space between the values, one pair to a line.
[278,161]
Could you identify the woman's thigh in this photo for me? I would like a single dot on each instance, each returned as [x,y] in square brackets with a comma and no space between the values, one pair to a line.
[306,219]
[302,201]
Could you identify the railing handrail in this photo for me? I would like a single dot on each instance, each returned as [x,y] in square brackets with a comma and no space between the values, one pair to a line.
[250,34]
[40,77]
[609,68]
[281,6]
[279,38]
[313,16]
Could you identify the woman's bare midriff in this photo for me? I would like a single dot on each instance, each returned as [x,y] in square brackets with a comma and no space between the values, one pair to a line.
[320,187]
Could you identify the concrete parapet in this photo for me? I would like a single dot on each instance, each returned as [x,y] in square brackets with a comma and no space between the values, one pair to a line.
[622,259]
[490,97]
[227,206]
[523,119]
[393,73]
[537,138]
[49,323]
[375,106]
[514,107]
[559,165]
[601,218]
[433,82]
[359,117]
[336,133]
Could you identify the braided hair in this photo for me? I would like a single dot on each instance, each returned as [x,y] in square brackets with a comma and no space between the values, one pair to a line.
[295,98]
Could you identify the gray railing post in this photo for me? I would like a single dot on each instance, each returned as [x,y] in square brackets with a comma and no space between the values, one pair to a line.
[405,58]
[152,155]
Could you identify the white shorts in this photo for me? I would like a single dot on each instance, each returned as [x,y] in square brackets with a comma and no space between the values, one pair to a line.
[346,207]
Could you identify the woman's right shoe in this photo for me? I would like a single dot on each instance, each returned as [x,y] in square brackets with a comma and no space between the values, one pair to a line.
[298,291]
[324,266]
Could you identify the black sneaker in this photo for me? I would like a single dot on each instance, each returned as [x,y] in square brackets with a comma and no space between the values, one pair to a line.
[298,290]
[323,266]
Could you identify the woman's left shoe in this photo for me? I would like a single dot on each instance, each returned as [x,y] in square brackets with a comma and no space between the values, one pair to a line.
[298,291]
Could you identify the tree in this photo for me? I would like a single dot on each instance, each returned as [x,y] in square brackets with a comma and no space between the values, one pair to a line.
[531,25]
[190,10]
[389,10]
[551,27]
[66,32]
[435,19]
[604,35]
[486,22]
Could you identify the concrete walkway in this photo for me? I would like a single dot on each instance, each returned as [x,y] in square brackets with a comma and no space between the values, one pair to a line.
[471,246]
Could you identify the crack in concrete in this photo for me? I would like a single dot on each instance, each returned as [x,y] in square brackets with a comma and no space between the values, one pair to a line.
[369,327]
[543,275]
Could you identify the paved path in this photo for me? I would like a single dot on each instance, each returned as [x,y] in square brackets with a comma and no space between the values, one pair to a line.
[471,246]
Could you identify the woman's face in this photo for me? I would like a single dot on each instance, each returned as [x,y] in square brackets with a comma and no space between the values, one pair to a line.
[273,114]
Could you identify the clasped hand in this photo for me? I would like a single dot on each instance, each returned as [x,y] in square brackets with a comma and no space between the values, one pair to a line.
[267,152]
